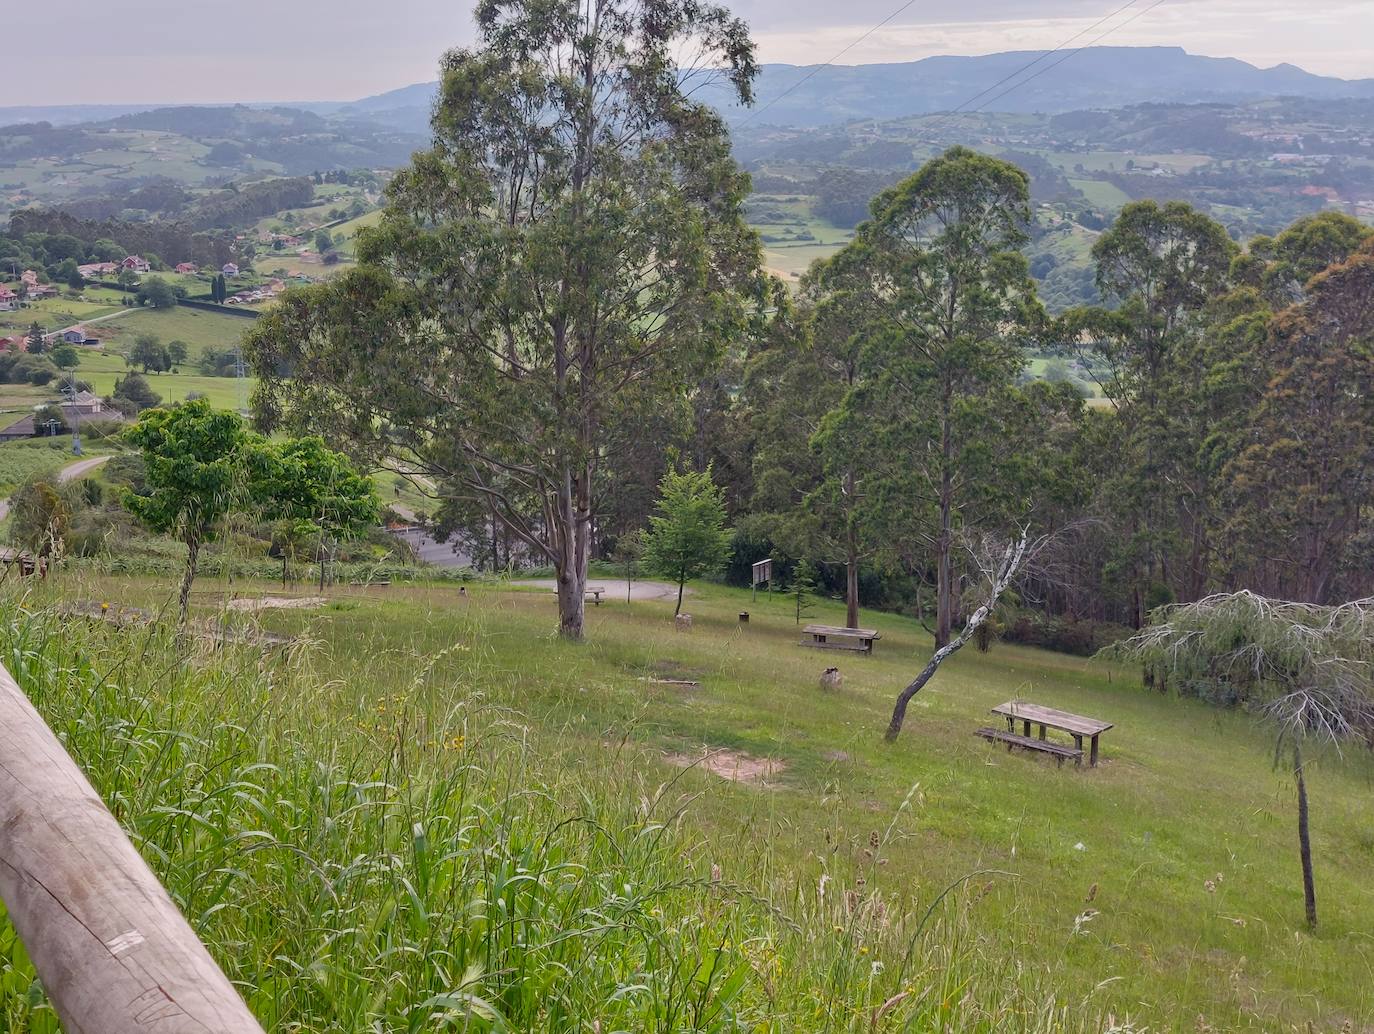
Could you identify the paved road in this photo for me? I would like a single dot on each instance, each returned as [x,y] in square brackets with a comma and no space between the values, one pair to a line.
[70,472]
[431,550]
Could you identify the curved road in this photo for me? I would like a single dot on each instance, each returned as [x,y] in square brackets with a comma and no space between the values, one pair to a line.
[70,472]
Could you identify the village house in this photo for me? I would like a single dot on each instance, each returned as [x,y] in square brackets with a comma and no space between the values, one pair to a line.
[12,344]
[95,269]
[42,291]
[29,277]
[136,263]
[83,405]
[9,301]
[229,269]
[186,267]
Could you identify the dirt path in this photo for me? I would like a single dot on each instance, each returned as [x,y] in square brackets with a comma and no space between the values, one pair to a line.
[615,588]
[70,472]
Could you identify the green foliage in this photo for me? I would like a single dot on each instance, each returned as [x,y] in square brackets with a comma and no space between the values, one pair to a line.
[802,588]
[149,353]
[133,392]
[66,357]
[39,517]
[687,537]
[156,292]
[565,309]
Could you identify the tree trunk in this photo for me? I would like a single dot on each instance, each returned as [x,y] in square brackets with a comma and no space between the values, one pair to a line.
[944,540]
[851,593]
[187,577]
[283,569]
[114,954]
[574,516]
[1309,887]
[1006,572]
[681,581]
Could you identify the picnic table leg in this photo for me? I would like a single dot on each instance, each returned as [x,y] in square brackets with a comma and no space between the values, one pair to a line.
[1042,733]
[1011,724]
[1078,744]
[1093,761]
[1025,728]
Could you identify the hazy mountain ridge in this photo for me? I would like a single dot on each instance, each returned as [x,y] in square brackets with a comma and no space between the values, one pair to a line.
[1097,77]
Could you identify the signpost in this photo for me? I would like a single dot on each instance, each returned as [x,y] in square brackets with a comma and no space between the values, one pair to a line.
[761,572]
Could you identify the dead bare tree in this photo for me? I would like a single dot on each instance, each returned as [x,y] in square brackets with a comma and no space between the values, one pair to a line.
[1302,667]
[999,564]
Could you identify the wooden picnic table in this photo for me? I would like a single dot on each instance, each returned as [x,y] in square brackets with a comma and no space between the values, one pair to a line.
[1076,725]
[832,637]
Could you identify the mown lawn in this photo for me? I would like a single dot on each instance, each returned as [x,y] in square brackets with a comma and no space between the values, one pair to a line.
[1162,886]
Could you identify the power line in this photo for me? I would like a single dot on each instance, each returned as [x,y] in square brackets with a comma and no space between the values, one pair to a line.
[1093,42]
[817,69]
[1042,56]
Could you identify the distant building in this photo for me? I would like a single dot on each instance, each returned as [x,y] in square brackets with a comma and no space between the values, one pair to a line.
[74,335]
[95,269]
[28,277]
[83,405]
[136,263]
[229,269]
[42,291]
[9,301]
[12,344]
[186,267]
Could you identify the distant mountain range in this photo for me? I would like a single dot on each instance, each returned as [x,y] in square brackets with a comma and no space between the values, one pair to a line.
[807,96]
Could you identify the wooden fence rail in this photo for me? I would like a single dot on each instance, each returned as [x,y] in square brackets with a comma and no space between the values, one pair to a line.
[113,952]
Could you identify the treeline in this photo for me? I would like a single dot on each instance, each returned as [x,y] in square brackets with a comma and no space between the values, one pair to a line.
[108,240]
[883,419]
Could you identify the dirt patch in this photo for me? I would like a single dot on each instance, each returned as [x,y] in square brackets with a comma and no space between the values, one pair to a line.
[734,765]
[276,603]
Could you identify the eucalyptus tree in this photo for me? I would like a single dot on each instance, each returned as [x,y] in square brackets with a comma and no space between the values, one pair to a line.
[1304,669]
[950,303]
[1159,266]
[568,257]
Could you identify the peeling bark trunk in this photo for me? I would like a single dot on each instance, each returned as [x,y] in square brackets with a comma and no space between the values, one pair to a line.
[114,954]
[1006,572]
[574,516]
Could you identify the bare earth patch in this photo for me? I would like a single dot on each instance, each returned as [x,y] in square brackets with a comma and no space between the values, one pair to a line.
[277,603]
[731,764]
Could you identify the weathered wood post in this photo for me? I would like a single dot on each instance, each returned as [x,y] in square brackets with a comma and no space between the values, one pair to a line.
[112,950]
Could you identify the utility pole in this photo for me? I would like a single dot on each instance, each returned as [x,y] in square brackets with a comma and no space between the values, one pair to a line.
[241,373]
[76,419]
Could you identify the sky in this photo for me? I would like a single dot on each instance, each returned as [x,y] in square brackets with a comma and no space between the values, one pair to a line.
[193,51]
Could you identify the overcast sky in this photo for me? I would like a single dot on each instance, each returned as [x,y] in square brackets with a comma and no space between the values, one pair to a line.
[144,51]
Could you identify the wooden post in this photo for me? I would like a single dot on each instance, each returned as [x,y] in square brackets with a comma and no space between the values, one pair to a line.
[112,951]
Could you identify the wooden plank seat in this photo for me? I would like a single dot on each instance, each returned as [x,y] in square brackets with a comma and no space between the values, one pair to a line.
[832,637]
[1011,739]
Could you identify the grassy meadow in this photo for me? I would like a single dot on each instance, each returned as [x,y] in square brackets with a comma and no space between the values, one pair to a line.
[430,813]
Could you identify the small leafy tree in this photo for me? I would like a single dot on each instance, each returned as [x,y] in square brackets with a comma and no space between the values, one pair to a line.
[303,483]
[158,293]
[1303,668]
[803,588]
[628,555]
[66,357]
[176,352]
[687,538]
[34,342]
[194,458]
[133,393]
[149,353]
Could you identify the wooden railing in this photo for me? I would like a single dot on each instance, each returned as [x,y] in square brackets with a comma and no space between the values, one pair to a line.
[111,949]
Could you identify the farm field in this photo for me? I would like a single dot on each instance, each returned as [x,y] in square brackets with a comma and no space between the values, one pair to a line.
[101,370]
[200,329]
[1160,888]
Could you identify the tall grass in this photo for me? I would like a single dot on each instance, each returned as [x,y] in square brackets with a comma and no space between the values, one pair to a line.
[416,865]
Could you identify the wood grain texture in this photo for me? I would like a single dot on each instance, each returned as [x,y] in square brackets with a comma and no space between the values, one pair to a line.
[111,949]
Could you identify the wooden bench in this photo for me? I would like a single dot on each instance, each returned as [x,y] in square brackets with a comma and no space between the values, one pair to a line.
[831,637]
[1011,739]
